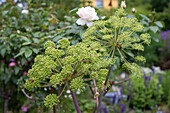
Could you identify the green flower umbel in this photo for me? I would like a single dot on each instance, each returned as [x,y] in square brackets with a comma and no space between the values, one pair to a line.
[117,37]
[68,65]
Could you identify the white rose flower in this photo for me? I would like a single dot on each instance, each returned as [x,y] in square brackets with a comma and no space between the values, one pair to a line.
[123,4]
[87,15]
[25,11]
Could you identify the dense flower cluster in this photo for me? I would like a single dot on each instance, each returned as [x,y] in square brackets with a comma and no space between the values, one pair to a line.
[118,37]
[67,65]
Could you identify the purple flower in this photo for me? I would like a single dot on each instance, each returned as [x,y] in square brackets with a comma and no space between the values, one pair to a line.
[122,108]
[84,60]
[147,78]
[168,42]
[89,61]
[160,79]
[64,26]
[24,109]
[12,60]
[19,63]
[52,46]
[42,30]
[12,64]
[105,110]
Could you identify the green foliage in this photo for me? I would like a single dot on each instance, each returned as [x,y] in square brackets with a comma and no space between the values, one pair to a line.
[152,27]
[147,91]
[165,17]
[116,37]
[159,5]
[165,86]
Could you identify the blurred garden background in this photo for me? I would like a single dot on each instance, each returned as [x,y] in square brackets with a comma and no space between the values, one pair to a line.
[26,25]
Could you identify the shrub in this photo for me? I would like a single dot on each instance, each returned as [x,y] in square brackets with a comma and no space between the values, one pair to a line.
[147,91]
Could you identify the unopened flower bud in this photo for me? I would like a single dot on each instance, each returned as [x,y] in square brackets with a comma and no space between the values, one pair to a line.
[96,95]
[18,31]
[133,10]
[65,16]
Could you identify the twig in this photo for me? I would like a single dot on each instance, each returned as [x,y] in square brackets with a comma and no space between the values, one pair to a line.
[62,90]
[29,97]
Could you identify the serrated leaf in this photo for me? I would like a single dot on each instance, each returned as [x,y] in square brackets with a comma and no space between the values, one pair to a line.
[145,17]
[159,24]
[28,53]
[36,40]
[36,50]
[154,28]
[19,54]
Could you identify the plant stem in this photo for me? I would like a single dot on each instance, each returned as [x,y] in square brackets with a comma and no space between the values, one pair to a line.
[75,101]
[102,92]
[96,95]
[52,91]
[59,92]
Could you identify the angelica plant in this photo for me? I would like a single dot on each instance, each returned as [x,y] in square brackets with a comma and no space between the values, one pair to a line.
[66,65]
[118,37]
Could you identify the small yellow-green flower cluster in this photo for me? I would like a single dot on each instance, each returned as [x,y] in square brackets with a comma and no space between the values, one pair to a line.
[67,65]
[118,36]
[51,100]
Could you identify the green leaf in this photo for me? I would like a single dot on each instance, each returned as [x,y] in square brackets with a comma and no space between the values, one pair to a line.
[19,54]
[159,24]
[26,43]
[28,53]
[57,38]
[36,50]
[154,28]
[16,70]
[3,38]
[145,17]
[23,60]
[3,51]
[26,39]
[36,40]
